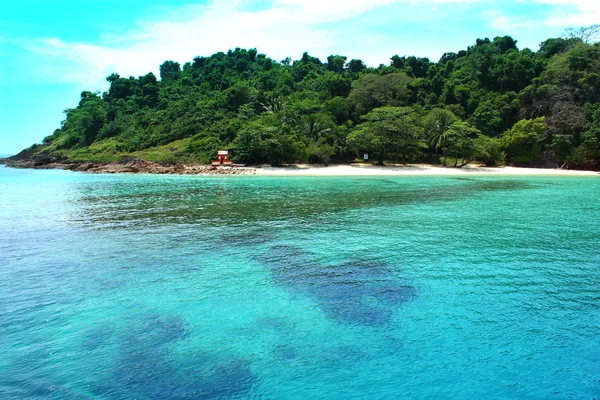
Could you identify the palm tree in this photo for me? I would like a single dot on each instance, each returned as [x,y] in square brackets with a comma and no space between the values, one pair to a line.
[274,105]
[313,127]
[438,121]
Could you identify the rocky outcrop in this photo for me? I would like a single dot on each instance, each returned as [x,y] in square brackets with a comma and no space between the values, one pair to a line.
[134,165]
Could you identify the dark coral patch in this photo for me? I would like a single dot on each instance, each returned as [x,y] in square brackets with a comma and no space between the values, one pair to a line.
[361,292]
[147,369]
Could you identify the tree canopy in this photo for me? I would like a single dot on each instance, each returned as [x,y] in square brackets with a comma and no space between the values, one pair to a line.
[491,102]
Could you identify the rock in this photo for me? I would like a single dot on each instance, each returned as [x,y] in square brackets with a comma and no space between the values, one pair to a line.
[132,164]
[83,167]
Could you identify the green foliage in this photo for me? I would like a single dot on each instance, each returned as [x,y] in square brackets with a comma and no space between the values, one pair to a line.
[551,47]
[437,125]
[460,140]
[314,126]
[487,150]
[522,142]
[339,109]
[261,143]
[83,123]
[169,70]
[320,152]
[486,118]
[336,63]
[372,91]
[540,104]
[388,131]
[589,149]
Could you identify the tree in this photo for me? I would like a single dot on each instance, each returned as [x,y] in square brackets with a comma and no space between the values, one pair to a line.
[148,92]
[84,122]
[331,84]
[112,78]
[314,126]
[338,108]
[372,91]
[486,118]
[522,142]
[356,66]
[565,125]
[398,62]
[260,143]
[169,70]
[417,67]
[459,142]
[551,47]
[120,88]
[270,111]
[487,149]
[591,138]
[437,123]
[307,64]
[336,63]
[585,34]
[241,93]
[388,131]
[320,152]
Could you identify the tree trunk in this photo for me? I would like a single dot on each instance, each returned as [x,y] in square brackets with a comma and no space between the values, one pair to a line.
[466,161]
[381,157]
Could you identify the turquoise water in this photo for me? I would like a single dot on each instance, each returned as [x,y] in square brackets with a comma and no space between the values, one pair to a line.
[140,286]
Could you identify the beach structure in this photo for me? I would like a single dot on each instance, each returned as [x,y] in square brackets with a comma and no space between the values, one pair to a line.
[222,158]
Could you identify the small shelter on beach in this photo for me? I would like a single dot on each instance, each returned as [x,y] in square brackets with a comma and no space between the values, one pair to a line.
[222,158]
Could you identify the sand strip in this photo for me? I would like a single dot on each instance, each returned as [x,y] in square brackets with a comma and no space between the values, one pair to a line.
[411,169]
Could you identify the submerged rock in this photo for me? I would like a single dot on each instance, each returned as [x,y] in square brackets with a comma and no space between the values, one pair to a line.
[357,291]
[146,366]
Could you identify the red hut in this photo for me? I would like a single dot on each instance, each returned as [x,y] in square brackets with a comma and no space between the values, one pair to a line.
[222,158]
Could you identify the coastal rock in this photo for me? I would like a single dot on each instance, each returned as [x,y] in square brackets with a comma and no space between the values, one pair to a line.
[131,164]
[82,167]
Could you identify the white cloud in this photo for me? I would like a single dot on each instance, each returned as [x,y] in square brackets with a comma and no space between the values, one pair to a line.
[329,10]
[559,14]
[287,28]
[573,13]
[508,24]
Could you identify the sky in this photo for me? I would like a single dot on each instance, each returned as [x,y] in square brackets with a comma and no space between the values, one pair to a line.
[51,51]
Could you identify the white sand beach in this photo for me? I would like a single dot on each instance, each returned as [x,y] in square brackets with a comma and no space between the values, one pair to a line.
[410,169]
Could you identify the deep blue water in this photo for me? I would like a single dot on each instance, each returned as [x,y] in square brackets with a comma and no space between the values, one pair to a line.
[140,286]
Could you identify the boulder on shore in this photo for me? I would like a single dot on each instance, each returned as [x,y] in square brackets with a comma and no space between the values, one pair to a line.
[132,164]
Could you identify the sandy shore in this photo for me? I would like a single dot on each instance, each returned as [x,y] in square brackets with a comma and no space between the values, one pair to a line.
[136,165]
[411,169]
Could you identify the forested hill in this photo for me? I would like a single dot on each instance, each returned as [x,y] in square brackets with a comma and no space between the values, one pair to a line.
[491,102]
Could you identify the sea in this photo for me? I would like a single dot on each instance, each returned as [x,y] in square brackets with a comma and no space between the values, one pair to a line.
[249,287]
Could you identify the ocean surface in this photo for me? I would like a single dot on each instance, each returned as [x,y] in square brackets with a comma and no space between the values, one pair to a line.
[155,287]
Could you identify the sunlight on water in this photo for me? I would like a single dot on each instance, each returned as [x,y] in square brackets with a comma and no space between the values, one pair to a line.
[263,287]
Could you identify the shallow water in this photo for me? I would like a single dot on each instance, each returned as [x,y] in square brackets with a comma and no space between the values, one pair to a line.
[139,286]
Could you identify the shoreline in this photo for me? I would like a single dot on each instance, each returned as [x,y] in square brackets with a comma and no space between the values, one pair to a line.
[413,170]
[135,165]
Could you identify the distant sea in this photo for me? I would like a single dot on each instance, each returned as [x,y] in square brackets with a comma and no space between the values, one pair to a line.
[142,286]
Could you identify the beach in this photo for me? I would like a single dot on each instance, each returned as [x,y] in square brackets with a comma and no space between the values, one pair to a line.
[411,169]
[136,165]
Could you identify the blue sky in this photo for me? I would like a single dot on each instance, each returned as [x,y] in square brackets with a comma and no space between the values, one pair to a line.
[50,51]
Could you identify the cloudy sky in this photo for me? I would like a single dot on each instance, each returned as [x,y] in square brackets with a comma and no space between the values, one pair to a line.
[50,51]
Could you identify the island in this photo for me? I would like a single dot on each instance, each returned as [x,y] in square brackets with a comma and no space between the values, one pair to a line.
[492,104]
